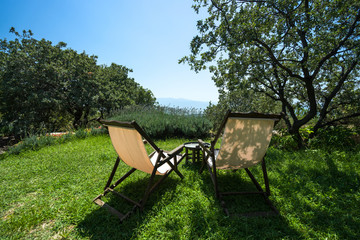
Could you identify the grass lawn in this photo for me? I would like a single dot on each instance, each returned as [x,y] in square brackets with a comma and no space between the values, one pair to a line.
[47,194]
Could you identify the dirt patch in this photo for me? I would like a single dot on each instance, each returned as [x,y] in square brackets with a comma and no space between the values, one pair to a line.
[11,211]
[46,229]
[5,143]
[43,231]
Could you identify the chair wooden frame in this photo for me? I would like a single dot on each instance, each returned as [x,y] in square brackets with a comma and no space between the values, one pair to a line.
[171,158]
[210,153]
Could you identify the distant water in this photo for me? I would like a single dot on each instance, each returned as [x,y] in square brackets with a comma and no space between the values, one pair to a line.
[182,103]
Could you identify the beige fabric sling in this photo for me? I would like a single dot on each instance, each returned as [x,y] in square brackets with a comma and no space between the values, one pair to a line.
[129,145]
[244,142]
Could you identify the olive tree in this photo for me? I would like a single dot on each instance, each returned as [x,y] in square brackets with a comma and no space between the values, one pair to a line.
[117,89]
[302,54]
[44,87]
[29,83]
[79,89]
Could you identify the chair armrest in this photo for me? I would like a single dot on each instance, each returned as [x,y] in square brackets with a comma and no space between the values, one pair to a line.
[203,146]
[176,150]
[171,154]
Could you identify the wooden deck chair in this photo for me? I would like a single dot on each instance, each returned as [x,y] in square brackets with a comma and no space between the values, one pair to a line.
[246,137]
[128,140]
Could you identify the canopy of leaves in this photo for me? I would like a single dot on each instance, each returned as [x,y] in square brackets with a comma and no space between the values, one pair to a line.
[44,87]
[303,54]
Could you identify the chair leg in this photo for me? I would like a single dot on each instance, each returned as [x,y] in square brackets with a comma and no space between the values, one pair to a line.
[204,160]
[175,169]
[202,167]
[109,188]
[213,175]
[259,188]
[123,178]
[266,179]
[112,173]
[150,187]
[147,191]
[260,191]
[112,210]
[215,180]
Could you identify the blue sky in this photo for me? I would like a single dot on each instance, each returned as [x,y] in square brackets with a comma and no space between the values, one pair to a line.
[146,36]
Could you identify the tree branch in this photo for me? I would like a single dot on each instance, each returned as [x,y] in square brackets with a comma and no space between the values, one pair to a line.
[336,49]
[328,99]
[339,119]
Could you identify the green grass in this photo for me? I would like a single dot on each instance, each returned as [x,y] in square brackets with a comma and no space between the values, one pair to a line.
[47,194]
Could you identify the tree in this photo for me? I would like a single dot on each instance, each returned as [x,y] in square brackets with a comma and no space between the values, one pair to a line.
[117,90]
[241,99]
[79,89]
[44,86]
[303,54]
[29,83]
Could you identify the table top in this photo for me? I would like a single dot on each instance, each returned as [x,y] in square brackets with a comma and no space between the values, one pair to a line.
[194,145]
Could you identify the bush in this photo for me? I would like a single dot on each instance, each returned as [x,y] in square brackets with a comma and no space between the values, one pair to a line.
[335,138]
[165,122]
[31,143]
[284,142]
[36,142]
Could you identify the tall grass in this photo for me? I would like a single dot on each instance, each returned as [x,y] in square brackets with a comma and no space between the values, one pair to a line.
[158,122]
[165,122]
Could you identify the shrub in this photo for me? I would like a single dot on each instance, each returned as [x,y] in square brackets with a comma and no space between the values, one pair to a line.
[335,138]
[285,142]
[36,142]
[332,138]
[165,122]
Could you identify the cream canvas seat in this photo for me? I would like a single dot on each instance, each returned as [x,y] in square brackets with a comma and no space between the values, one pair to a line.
[245,140]
[128,140]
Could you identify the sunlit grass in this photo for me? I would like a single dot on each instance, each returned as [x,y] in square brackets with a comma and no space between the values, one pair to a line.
[48,194]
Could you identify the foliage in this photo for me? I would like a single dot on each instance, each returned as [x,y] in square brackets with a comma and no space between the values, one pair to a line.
[284,141]
[29,84]
[117,90]
[302,54]
[336,138]
[43,86]
[238,100]
[35,143]
[333,138]
[317,193]
[165,122]
[79,87]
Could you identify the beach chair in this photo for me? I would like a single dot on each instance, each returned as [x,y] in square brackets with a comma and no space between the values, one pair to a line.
[128,140]
[246,137]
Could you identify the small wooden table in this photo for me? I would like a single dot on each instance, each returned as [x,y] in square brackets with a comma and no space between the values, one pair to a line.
[195,155]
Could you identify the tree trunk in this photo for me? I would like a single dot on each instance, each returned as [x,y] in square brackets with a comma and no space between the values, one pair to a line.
[77,118]
[85,119]
[295,132]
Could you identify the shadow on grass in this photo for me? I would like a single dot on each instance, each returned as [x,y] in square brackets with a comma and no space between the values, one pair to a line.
[339,198]
[239,227]
[188,209]
[101,224]
[317,196]
[322,198]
